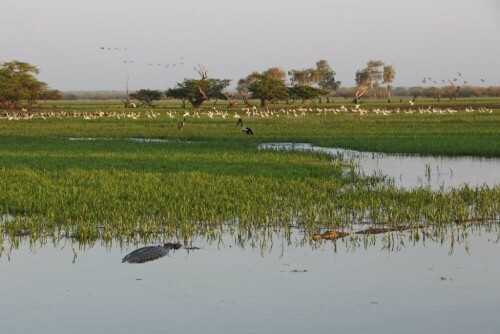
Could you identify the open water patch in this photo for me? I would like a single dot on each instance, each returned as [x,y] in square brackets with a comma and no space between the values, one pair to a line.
[411,171]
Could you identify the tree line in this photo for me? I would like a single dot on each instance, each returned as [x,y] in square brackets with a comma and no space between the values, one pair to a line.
[19,87]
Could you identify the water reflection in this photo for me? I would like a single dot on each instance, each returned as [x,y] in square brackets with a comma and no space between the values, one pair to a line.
[231,289]
[410,171]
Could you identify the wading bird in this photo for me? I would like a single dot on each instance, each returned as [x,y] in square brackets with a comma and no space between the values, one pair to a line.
[180,126]
[247,131]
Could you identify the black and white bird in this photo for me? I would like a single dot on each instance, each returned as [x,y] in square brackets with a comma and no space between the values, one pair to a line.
[180,125]
[247,131]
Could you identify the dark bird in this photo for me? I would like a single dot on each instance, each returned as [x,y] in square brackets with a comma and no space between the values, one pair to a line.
[247,131]
[459,74]
[455,79]
[240,122]
[482,80]
[465,82]
[180,125]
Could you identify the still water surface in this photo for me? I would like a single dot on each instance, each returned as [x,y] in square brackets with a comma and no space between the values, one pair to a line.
[410,171]
[229,289]
[289,288]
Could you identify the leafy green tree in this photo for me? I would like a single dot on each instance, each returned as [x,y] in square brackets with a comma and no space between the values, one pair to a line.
[198,91]
[305,92]
[305,77]
[18,85]
[267,89]
[266,86]
[146,96]
[388,76]
[326,78]
[275,73]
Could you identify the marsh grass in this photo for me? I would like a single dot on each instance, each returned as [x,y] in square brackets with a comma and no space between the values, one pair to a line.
[210,179]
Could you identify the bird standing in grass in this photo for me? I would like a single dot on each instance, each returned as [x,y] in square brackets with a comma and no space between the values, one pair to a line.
[240,122]
[247,131]
[180,126]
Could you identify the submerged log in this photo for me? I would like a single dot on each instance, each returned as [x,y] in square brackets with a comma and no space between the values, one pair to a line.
[150,253]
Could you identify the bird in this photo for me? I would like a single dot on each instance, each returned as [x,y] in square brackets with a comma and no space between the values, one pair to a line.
[240,122]
[482,80]
[411,102]
[180,126]
[247,131]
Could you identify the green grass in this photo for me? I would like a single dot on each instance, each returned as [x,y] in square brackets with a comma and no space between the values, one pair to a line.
[211,179]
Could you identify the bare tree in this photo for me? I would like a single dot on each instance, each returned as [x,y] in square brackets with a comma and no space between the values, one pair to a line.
[229,97]
[202,71]
[127,102]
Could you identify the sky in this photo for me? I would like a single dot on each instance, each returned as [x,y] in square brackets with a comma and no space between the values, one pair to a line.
[232,38]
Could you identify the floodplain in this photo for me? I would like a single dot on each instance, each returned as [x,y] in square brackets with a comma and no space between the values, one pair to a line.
[87,182]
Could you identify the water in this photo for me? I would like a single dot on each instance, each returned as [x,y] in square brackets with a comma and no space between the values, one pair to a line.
[413,170]
[229,289]
[286,288]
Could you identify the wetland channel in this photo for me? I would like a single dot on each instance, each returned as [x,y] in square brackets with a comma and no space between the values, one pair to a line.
[409,171]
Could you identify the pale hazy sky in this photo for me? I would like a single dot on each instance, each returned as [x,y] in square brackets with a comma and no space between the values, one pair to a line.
[232,38]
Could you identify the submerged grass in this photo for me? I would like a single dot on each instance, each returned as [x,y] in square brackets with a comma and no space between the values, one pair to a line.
[210,179]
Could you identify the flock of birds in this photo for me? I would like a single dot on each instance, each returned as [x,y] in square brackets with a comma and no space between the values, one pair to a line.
[128,61]
[457,80]
[247,112]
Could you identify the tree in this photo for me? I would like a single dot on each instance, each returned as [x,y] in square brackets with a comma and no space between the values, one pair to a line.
[275,73]
[305,77]
[18,84]
[266,86]
[242,87]
[374,68]
[198,91]
[326,78]
[363,82]
[305,92]
[388,76]
[146,96]
[267,89]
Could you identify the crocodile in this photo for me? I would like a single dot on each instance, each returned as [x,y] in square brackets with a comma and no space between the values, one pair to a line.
[150,253]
